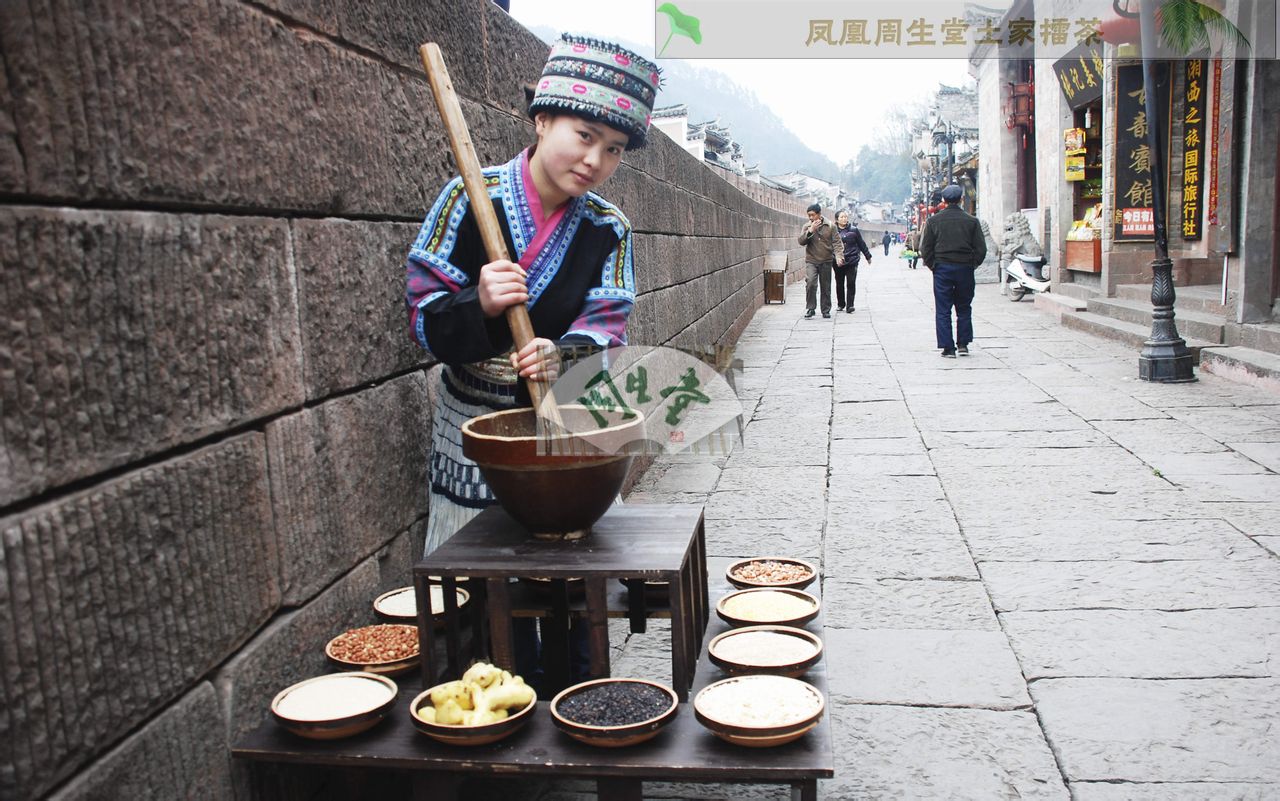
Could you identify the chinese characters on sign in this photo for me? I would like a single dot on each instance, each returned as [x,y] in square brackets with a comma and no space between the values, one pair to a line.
[958,32]
[1079,74]
[1193,172]
[1213,154]
[1132,198]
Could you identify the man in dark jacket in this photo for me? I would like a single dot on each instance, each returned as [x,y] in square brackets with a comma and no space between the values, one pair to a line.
[952,246]
[885,240]
[823,250]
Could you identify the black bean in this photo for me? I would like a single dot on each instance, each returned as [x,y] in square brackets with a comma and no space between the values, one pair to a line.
[615,704]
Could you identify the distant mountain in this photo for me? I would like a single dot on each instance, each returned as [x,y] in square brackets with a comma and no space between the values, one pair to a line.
[712,95]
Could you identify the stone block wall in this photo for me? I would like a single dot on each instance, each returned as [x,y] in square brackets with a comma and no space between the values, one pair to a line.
[214,425]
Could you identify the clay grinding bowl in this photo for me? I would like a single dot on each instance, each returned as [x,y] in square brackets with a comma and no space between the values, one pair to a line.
[556,486]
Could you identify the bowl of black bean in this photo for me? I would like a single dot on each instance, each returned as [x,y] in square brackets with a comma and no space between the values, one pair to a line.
[613,713]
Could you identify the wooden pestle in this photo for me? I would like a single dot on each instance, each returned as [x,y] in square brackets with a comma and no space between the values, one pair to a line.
[464,153]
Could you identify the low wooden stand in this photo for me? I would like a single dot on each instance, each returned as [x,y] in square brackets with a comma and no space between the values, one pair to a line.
[633,543]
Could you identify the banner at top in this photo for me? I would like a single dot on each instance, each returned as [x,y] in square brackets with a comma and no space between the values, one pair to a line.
[693,29]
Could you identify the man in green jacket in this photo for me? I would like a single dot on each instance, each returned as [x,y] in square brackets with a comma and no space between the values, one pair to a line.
[823,250]
[952,246]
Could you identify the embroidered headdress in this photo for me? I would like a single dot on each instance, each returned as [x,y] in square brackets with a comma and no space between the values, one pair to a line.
[600,81]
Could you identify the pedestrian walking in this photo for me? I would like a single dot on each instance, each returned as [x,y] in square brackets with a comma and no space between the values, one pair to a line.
[952,246]
[571,267]
[855,247]
[886,240]
[822,251]
[913,245]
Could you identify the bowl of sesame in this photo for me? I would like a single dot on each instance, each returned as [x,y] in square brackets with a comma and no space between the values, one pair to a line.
[771,571]
[387,649]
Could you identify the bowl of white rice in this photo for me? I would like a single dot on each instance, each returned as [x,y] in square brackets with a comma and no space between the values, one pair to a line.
[770,650]
[760,607]
[759,711]
[401,606]
[334,706]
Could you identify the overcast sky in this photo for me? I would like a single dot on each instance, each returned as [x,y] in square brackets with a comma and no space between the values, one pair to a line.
[869,87]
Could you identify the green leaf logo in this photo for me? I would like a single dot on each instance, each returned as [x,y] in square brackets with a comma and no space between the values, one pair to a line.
[682,24]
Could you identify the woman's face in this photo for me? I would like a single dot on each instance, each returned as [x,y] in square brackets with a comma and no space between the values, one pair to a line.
[842,219]
[573,156]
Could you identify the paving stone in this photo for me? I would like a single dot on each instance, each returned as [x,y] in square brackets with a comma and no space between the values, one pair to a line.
[1259,488]
[1157,436]
[1103,540]
[906,604]
[924,668]
[1073,438]
[1266,454]
[1038,586]
[863,490]
[802,504]
[119,598]
[163,363]
[183,748]
[345,476]
[1271,544]
[685,478]
[765,479]
[1110,458]
[1173,791]
[1229,423]
[741,538]
[1219,463]
[1178,730]
[1146,644]
[844,450]
[875,420]
[856,468]
[912,752]
[912,554]
[892,518]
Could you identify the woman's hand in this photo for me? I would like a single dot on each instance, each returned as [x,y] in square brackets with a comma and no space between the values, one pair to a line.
[538,360]
[501,285]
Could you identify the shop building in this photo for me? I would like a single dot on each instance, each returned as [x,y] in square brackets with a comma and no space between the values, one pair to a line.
[1064,142]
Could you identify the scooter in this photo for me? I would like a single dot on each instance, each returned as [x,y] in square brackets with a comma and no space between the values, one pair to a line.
[1025,274]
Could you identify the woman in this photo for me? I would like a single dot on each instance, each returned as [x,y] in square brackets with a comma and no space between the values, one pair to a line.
[572,252]
[854,249]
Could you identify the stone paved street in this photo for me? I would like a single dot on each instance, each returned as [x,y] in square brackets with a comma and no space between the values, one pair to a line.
[1042,577]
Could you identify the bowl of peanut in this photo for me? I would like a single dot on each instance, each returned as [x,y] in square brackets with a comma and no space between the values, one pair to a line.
[771,571]
[387,649]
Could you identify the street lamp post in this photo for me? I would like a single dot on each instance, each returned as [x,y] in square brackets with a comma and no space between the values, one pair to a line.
[1164,357]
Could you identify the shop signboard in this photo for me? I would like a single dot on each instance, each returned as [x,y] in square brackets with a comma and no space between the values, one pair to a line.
[1079,74]
[1131,189]
[1194,174]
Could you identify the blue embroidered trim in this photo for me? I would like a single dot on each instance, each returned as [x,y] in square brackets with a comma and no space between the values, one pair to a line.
[548,262]
[516,204]
[611,293]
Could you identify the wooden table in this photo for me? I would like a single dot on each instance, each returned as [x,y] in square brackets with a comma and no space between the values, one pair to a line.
[634,543]
[683,752]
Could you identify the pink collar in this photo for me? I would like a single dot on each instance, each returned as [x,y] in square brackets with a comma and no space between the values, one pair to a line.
[544,227]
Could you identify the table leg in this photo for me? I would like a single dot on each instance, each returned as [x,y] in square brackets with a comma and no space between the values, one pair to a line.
[614,789]
[452,626]
[433,785]
[804,790]
[681,663]
[555,638]
[636,606]
[598,627]
[426,629]
[700,575]
[501,640]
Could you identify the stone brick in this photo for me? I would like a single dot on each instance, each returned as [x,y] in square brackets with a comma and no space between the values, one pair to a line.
[120,597]
[345,476]
[137,333]
[215,103]
[182,753]
[351,298]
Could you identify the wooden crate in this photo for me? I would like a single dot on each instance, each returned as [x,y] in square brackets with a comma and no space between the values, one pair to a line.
[775,286]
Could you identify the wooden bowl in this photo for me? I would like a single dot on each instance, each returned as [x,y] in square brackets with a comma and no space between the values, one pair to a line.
[469,735]
[734,710]
[793,668]
[741,583]
[732,617]
[331,707]
[391,667]
[386,606]
[555,486]
[613,736]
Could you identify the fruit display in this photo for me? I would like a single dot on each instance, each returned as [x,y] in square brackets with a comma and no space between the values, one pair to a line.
[485,694]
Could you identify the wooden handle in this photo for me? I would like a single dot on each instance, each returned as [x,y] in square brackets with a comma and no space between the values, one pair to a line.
[464,153]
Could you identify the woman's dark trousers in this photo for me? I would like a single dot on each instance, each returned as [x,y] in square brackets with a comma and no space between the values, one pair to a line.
[848,273]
